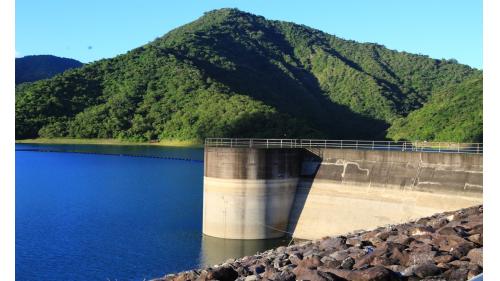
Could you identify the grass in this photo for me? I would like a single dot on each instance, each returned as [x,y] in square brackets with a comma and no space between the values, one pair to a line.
[173,143]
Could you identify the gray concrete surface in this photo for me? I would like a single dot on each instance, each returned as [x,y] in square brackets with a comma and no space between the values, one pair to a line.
[260,193]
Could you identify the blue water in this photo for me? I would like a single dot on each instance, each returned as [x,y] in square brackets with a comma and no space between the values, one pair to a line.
[99,217]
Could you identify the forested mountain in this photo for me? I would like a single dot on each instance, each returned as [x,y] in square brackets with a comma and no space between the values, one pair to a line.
[454,113]
[234,74]
[34,68]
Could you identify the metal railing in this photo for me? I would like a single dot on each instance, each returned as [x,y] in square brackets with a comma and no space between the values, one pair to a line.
[443,147]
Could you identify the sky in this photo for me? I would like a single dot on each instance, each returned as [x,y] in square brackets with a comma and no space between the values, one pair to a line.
[89,30]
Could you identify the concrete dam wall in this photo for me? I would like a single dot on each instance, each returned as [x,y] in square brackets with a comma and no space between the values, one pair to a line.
[256,193]
[248,192]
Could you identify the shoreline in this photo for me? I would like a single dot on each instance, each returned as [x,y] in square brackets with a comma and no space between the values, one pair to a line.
[69,141]
[444,246]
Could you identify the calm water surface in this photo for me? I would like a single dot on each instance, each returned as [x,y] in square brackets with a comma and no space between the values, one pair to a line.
[82,216]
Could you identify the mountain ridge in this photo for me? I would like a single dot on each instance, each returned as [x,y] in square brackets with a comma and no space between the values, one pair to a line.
[37,67]
[294,80]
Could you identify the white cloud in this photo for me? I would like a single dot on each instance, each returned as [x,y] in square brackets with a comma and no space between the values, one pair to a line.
[18,54]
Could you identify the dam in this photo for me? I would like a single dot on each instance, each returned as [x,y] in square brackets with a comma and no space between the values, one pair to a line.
[308,189]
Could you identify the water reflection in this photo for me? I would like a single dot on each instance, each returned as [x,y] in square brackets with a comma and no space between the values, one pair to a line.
[217,250]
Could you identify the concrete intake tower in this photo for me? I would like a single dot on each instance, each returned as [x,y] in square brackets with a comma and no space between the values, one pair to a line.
[269,188]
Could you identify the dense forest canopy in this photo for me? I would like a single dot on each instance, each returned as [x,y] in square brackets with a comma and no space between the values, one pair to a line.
[34,68]
[234,74]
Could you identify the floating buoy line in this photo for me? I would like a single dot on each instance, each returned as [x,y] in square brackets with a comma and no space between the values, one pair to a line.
[112,154]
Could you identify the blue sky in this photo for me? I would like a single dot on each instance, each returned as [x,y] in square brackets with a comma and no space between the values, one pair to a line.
[89,30]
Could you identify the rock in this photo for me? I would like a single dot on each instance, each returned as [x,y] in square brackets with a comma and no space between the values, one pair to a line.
[223,273]
[447,242]
[461,231]
[423,221]
[439,248]
[303,273]
[310,252]
[420,257]
[409,271]
[423,239]
[370,234]
[333,243]
[476,256]
[281,261]
[364,261]
[281,250]
[396,268]
[431,278]
[419,246]
[342,273]
[310,262]
[356,252]
[347,263]
[384,261]
[354,241]
[340,255]
[443,266]
[438,223]
[421,230]
[404,228]
[474,270]
[477,229]
[389,247]
[375,241]
[426,269]
[459,274]
[270,273]
[401,257]
[461,249]
[185,276]
[243,270]
[357,241]
[258,269]
[400,239]
[386,234]
[459,264]
[447,230]
[326,258]
[450,217]
[252,278]
[295,258]
[377,273]
[443,259]
[332,264]
[476,238]
[285,276]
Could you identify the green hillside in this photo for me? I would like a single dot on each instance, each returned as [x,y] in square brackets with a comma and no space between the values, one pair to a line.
[454,113]
[234,74]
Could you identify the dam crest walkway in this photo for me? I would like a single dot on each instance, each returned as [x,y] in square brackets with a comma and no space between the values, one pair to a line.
[410,146]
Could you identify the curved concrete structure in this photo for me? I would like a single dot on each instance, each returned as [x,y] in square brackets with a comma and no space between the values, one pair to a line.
[248,192]
[258,193]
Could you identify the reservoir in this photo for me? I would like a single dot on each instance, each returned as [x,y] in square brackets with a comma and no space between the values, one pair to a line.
[91,212]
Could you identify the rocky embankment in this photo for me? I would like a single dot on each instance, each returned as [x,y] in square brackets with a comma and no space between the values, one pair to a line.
[447,246]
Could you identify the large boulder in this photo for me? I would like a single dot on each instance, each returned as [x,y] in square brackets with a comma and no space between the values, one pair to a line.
[223,273]
[476,256]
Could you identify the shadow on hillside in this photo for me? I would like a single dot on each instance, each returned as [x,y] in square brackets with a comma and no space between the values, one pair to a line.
[265,76]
